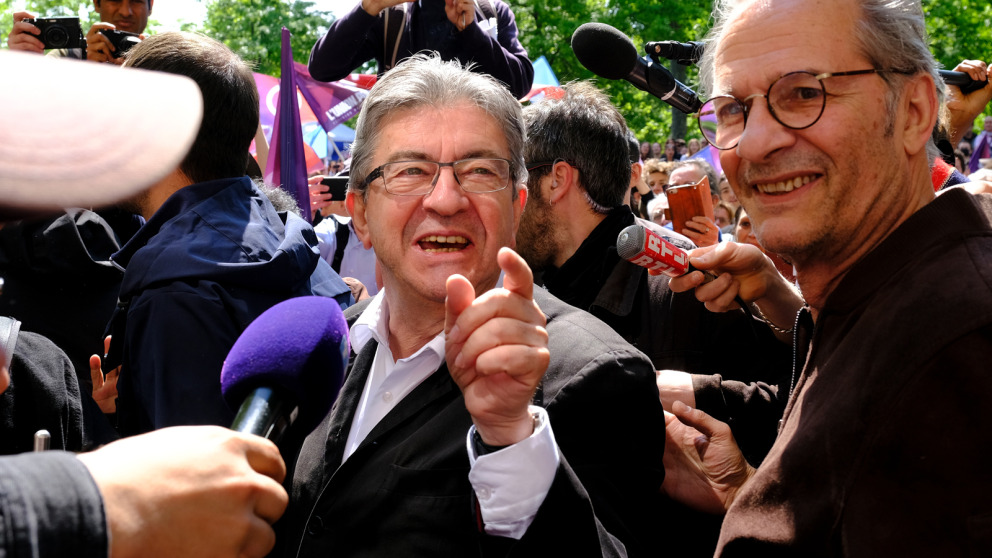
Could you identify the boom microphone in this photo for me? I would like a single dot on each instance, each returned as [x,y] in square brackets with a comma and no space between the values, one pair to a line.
[287,367]
[962,80]
[686,54]
[642,246]
[608,53]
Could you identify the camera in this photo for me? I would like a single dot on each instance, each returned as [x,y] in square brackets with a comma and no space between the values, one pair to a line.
[59,32]
[122,40]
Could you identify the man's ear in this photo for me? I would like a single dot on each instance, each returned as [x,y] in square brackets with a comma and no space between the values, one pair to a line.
[563,177]
[920,102]
[150,4]
[356,208]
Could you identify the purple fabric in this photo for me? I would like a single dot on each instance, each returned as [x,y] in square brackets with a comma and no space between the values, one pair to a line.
[981,152]
[332,103]
[287,165]
[299,345]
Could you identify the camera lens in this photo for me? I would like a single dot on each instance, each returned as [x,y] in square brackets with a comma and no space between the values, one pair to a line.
[56,37]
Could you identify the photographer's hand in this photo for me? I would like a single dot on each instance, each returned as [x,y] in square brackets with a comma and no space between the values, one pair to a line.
[24,36]
[98,46]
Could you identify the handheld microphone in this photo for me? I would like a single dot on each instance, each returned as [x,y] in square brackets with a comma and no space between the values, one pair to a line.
[608,53]
[962,80]
[646,248]
[684,53]
[641,246]
[286,367]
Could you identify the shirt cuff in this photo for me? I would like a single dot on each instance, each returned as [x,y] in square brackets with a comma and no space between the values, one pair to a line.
[511,484]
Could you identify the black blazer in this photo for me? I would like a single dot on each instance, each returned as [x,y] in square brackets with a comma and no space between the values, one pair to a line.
[405,491]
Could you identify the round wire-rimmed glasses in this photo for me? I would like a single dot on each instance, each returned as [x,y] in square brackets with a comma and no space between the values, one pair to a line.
[796,100]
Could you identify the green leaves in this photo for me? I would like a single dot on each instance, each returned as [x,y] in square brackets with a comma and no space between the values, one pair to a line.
[252,29]
[546,28]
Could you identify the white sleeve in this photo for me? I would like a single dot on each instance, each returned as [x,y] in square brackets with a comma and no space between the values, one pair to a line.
[511,483]
[327,239]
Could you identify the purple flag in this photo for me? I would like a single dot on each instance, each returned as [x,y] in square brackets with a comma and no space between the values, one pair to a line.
[332,103]
[287,162]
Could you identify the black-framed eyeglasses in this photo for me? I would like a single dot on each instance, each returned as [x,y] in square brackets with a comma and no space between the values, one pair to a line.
[796,100]
[417,178]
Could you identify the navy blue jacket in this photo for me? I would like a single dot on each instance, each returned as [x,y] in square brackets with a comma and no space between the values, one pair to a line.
[357,37]
[208,262]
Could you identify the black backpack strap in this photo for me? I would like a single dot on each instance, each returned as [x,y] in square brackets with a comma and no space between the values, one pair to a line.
[395,20]
[341,235]
[9,328]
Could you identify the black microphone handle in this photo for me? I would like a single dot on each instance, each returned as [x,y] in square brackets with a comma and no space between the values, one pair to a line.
[962,80]
[266,412]
[657,80]
[683,53]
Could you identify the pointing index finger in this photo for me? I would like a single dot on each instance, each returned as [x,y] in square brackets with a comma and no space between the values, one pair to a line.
[517,276]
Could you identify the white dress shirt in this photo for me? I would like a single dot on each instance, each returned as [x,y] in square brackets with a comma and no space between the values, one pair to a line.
[510,484]
[357,261]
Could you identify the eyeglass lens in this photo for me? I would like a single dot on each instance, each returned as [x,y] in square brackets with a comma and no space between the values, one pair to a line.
[419,177]
[795,100]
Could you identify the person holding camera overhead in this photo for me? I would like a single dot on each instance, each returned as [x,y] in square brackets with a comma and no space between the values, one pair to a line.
[122,25]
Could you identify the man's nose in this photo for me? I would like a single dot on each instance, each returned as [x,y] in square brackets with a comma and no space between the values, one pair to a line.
[447,197]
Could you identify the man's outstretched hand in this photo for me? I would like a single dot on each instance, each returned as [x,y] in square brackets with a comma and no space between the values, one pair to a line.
[497,350]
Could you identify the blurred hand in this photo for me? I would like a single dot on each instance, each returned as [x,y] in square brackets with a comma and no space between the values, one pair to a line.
[24,36]
[320,196]
[497,350]
[373,7]
[704,468]
[963,109]
[702,231]
[460,12]
[191,491]
[98,46]
[104,388]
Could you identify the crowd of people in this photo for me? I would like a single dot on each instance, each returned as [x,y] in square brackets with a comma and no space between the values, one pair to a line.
[515,386]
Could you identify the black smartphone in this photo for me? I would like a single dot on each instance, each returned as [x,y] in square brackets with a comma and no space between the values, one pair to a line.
[337,186]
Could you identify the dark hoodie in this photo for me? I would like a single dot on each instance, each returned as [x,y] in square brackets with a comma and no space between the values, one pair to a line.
[208,262]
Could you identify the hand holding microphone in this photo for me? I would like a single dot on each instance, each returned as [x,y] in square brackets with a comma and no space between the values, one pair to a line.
[746,276]
[641,246]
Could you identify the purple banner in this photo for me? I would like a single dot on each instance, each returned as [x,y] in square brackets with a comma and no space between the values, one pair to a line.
[287,162]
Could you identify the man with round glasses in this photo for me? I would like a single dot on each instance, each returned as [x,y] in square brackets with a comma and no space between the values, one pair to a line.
[480,414]
[884,441]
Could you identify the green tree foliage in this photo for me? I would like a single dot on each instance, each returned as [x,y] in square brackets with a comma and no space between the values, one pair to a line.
[546,28]
[252,28]
[960,30]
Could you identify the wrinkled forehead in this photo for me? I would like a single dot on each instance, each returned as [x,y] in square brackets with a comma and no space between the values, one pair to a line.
[765,39]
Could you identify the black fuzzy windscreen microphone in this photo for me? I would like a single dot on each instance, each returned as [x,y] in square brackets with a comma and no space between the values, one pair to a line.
[608,53]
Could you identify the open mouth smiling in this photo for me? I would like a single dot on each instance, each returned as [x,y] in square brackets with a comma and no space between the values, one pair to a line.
[435,243]
[785,186]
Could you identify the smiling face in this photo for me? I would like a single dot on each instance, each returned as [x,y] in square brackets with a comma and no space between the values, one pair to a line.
[819,194]
[421,240]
